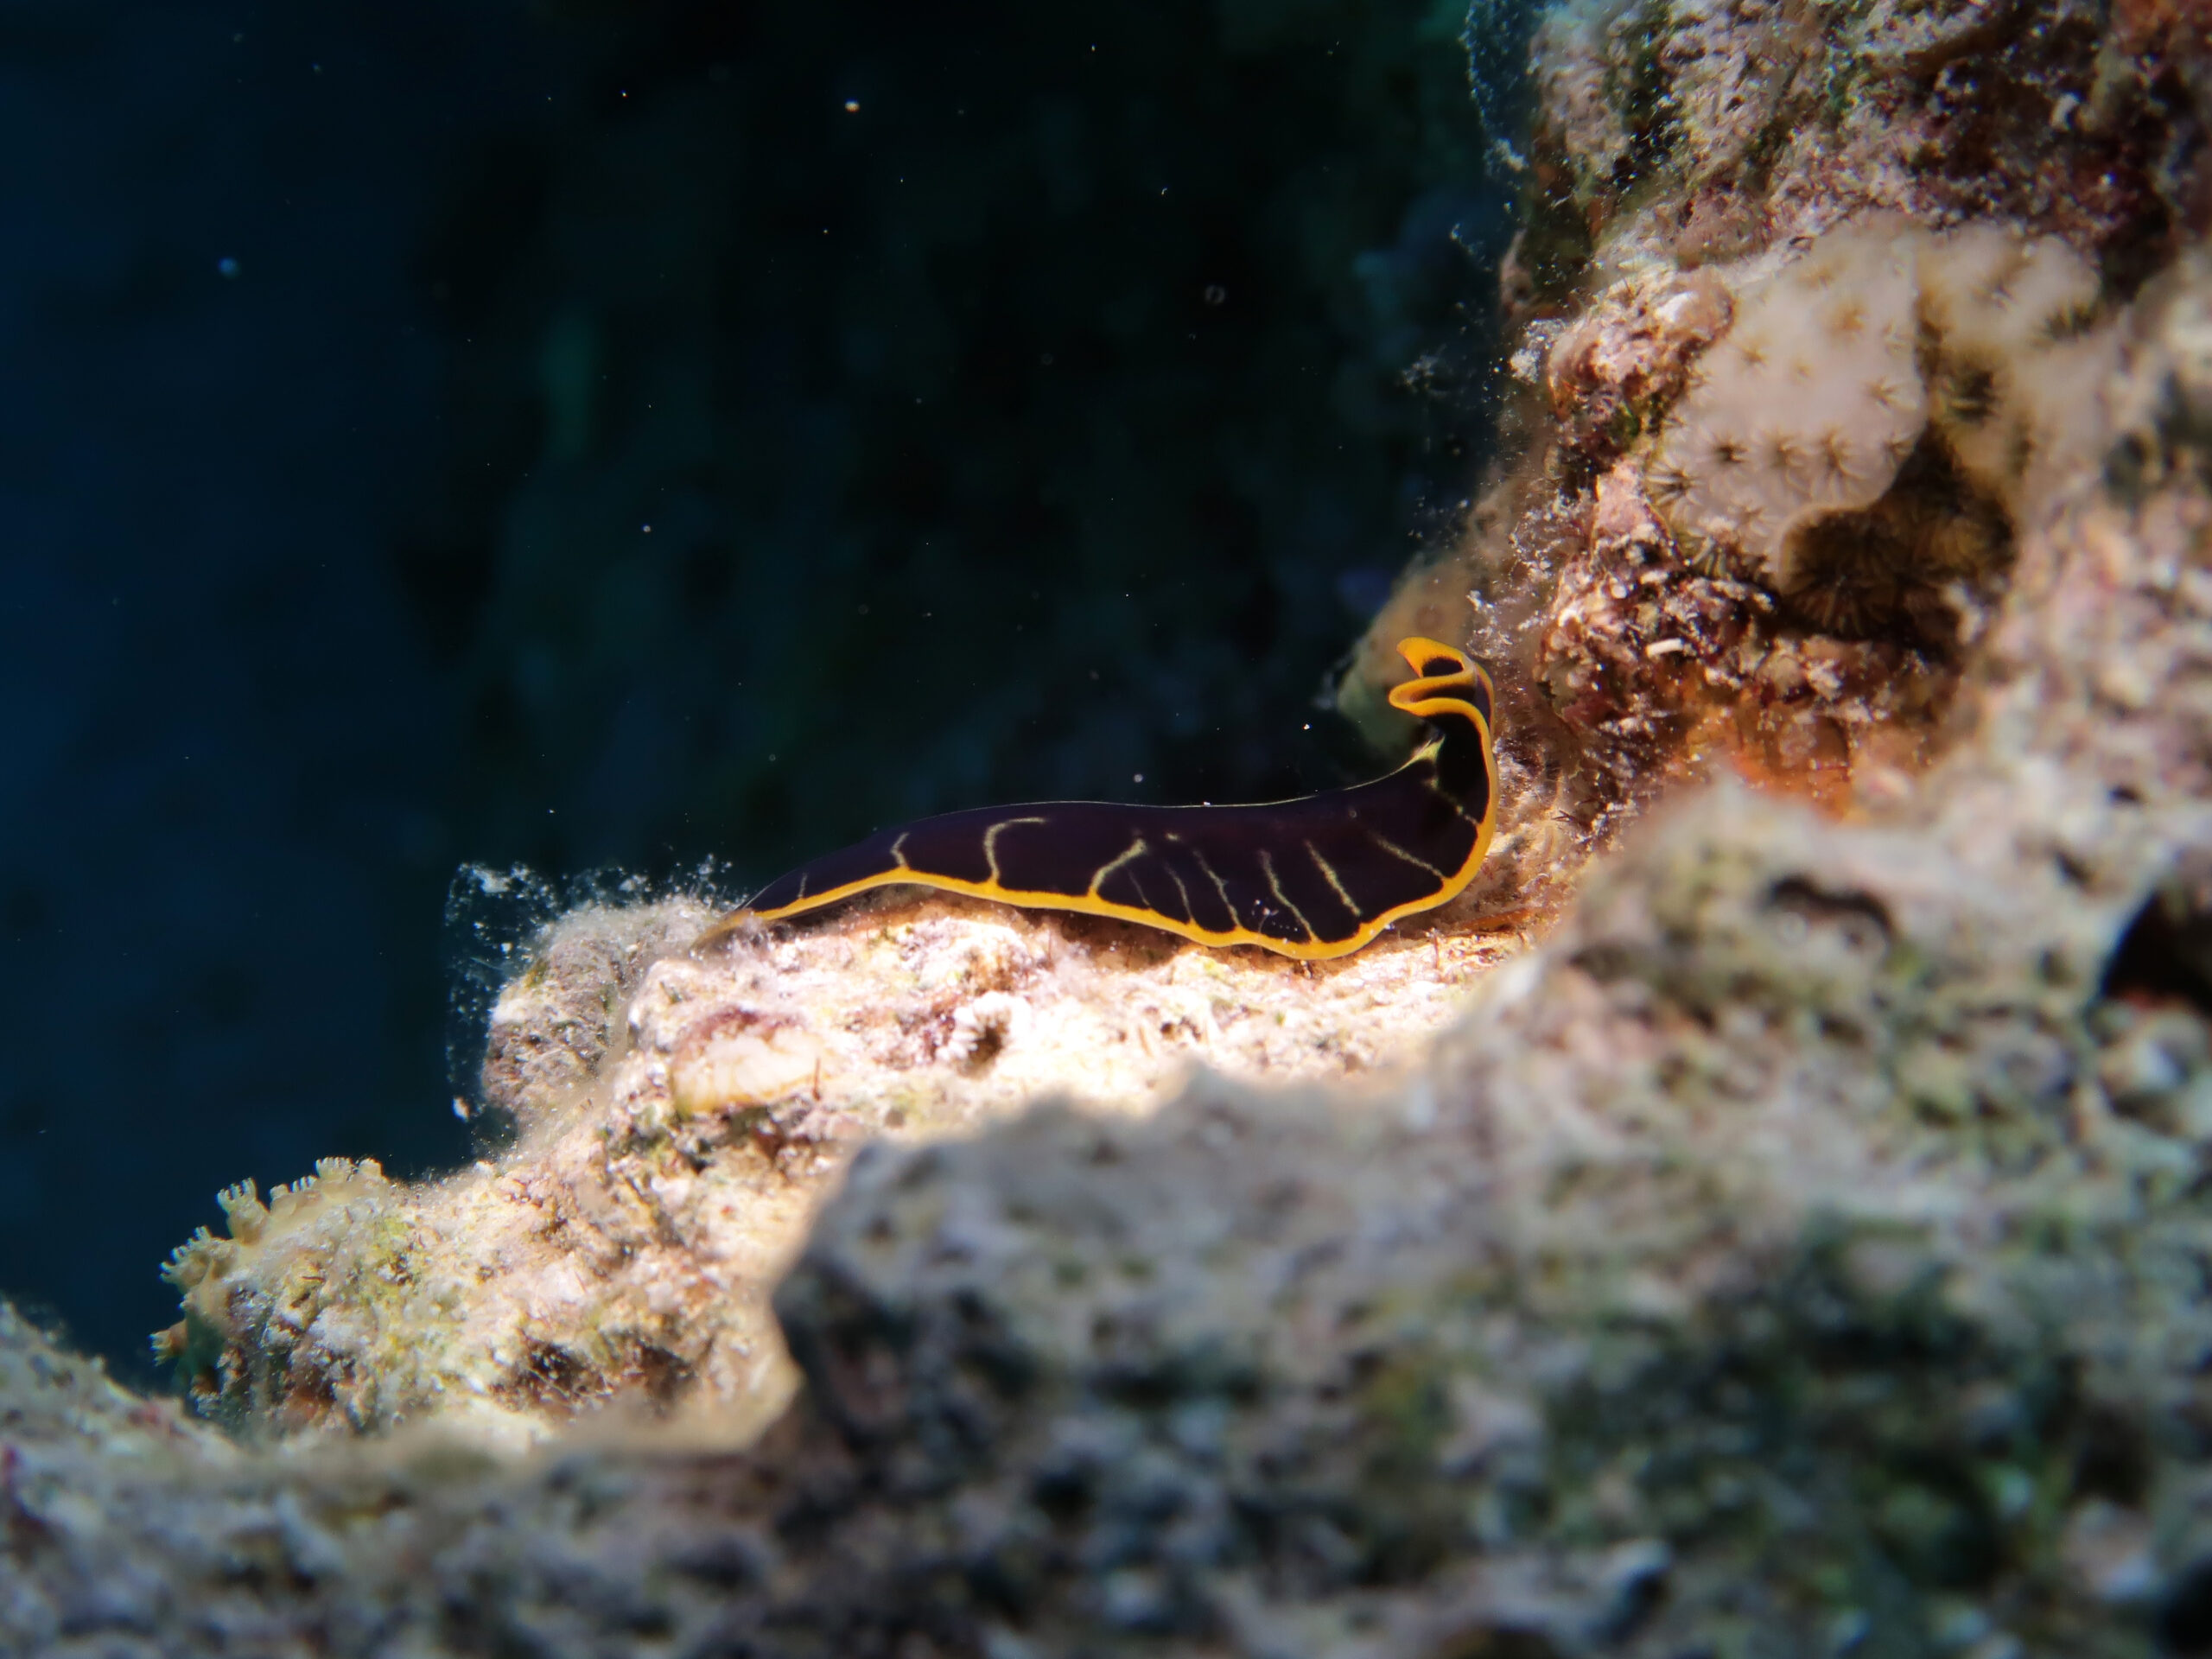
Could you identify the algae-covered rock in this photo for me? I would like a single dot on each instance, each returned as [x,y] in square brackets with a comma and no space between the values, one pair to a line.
[1818,300]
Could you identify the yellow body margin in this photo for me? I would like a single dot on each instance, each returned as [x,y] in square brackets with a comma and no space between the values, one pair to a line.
[1427,696]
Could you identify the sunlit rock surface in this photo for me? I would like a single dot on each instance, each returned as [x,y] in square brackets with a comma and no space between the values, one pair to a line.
[1799,1248]
[678,1116]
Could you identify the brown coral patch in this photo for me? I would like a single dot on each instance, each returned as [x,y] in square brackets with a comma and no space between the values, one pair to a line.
[1894,568]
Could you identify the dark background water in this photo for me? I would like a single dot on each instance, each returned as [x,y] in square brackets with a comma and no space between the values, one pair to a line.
[620,434]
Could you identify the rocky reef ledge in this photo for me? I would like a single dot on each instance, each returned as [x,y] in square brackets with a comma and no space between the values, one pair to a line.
[1797,1244]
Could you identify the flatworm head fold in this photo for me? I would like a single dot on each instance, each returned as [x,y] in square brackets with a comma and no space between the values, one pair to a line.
[1313,878]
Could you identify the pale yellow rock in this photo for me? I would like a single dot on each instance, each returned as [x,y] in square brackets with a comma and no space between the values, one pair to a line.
[694,1112]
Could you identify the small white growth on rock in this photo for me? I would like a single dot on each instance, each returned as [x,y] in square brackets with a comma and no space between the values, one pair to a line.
[753,1066]
[204,1268]
[982,1028]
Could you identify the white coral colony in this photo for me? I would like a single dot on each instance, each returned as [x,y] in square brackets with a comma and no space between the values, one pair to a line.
[1807,407]
[1840,362]
[2017,354]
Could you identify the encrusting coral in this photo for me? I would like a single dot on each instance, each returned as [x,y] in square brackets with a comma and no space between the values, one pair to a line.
[1800,1249]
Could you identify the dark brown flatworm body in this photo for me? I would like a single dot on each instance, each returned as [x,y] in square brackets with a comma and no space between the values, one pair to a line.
[1315,877]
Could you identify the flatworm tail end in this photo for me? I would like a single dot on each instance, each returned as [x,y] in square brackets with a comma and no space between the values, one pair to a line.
[1311,877]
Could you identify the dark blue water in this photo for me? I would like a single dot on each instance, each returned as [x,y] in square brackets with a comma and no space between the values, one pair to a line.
[622,435]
